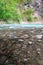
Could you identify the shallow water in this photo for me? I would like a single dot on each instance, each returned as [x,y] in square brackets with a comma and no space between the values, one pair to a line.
[16,26]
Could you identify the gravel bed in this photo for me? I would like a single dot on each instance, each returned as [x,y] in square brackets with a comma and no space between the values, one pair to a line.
[21,46]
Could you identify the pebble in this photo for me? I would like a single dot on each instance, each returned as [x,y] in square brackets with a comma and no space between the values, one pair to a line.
[25,59]
[25,36]
[32,31]
[15,37]
[30,42]
[38,50]
[20,40]
[26,51]
[39,36]
[39,40]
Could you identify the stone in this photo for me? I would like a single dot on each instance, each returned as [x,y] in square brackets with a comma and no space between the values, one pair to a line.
[26,35]
[26,47]
[20,40]
[30,42]
[32,31]
[28,52]
[25,59]
[39,36]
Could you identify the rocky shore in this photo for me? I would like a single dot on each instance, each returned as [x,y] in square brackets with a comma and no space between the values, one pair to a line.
[21,46]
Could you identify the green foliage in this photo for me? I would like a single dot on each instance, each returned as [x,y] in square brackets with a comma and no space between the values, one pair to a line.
[30,18]
[8,10]
[29,14]
[35,19]
[29,11]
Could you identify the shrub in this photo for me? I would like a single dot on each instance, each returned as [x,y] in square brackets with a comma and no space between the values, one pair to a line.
[8,10]
[29,14]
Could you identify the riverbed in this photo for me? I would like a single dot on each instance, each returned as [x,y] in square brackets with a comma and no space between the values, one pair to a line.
[22,46]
